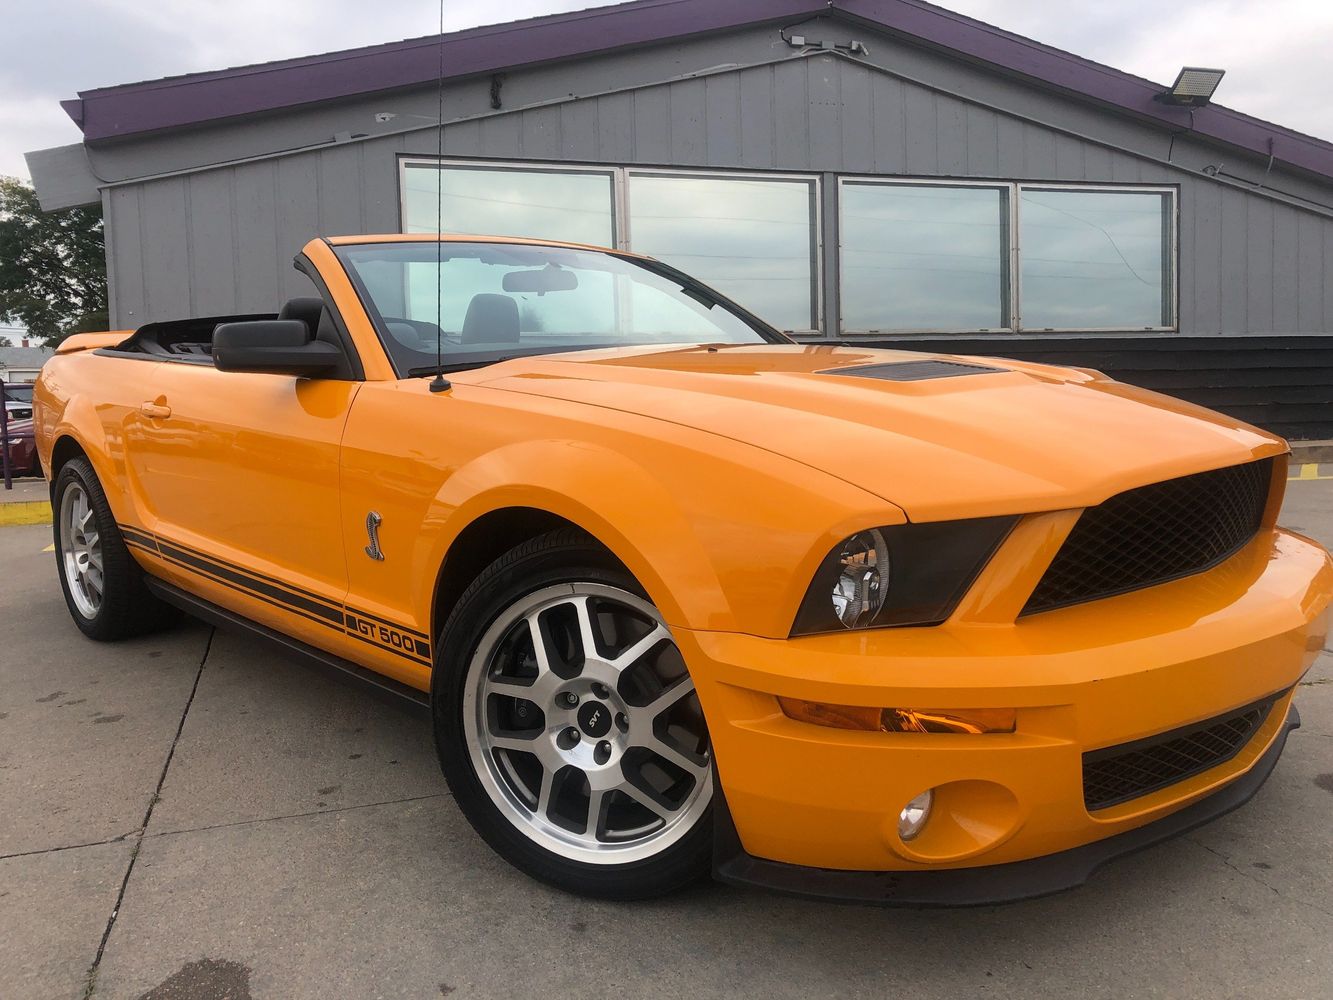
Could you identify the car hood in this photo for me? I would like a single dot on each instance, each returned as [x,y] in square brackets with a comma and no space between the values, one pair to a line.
[1014,439]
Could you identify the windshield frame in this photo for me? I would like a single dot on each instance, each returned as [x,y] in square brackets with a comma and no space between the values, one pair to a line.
[481,359]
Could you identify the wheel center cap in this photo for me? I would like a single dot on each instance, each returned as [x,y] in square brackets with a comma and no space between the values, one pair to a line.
[595,719]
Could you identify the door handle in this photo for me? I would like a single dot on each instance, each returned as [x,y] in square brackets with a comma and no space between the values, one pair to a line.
[155,411]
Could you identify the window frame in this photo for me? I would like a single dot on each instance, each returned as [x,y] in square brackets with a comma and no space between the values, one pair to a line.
[1014,285]
[816,222]
[827,327]
[621,210]
[405,163]
[1009,262]
[1171,255]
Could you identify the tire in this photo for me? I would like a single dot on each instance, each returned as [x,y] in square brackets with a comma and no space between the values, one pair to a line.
[631,763]
[123,606]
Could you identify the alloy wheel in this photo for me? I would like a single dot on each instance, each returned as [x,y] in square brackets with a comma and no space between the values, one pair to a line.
[584,725]
[81,550]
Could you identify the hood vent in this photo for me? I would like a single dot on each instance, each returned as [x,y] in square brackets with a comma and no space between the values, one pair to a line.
[913,371]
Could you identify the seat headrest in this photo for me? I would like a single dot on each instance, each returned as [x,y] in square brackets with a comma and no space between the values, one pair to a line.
[309,309]
[491,319]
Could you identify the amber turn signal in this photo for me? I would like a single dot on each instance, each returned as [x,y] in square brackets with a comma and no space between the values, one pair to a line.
[972,721]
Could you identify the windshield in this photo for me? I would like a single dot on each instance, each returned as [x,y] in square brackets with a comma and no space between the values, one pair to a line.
[500,300]
[18,393]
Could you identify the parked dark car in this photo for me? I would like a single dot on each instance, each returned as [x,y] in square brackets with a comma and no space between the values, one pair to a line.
[18,400]
[22,453]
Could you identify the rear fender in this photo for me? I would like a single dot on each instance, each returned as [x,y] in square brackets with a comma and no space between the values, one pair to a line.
[79,421]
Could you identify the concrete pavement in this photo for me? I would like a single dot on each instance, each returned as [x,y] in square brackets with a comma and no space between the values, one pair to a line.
[235,826]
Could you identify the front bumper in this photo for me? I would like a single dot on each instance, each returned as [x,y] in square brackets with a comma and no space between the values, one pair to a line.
[989,884]
[804,797]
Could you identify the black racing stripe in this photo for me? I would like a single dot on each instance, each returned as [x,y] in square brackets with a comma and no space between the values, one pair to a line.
[250,582]
[282,595]
[385,621]
[143,538]
[151,550]
[388,649]
[280,605]
[238,568]
[419,647]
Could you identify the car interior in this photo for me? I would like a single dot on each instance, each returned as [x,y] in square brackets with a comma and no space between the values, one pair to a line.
[191,340]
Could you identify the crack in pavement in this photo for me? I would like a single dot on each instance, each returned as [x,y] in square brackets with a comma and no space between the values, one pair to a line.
[91,982]
[300,815]
[1255,878]
[68,847]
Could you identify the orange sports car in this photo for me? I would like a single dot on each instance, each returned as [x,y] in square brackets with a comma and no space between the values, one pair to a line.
[680,594]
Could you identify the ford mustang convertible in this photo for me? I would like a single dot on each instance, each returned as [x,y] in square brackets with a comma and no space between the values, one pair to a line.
[682,595]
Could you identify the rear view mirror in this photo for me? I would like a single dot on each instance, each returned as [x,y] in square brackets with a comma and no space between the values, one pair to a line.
[546,279]
[273,346]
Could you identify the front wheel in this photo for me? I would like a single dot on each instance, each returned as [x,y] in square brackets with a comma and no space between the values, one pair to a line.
[569,728]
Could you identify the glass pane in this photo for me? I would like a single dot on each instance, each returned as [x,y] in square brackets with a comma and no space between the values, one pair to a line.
[752,240]
[504,299]
[1094,259]
[541,204]
[923,257]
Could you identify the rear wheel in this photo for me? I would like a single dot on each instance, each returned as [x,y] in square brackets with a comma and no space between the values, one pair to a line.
[569,727]
[103,585]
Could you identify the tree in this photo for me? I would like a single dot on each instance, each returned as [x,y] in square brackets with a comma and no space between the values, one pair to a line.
[52,266]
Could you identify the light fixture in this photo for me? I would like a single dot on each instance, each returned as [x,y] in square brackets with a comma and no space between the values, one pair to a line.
[914,815]
[958,721]
[863,581]
[1194,87]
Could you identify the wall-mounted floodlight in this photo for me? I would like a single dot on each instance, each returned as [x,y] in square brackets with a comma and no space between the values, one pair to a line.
[1193,88]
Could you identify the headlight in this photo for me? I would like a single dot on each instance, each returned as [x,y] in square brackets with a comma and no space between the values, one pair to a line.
[932,567]
[863,581]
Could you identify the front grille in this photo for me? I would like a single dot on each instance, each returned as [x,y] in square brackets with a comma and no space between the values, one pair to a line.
[1118,774]
[1155,534]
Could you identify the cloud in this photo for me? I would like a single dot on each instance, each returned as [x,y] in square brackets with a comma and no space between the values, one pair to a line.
[54,49]
[1274,51]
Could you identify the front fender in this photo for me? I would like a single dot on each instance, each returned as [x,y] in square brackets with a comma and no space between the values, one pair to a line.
[637,521]
[721,534]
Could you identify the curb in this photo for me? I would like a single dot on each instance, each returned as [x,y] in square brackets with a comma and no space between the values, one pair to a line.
[25,512]
[1311,452]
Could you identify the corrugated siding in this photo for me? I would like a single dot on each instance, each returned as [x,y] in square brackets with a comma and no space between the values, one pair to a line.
[222,240]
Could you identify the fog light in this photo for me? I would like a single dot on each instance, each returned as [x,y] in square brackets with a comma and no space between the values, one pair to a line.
[914,815]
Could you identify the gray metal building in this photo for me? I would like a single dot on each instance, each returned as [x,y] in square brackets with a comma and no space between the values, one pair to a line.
[881,170]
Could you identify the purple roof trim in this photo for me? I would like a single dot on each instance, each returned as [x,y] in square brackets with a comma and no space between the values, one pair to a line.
[203,97]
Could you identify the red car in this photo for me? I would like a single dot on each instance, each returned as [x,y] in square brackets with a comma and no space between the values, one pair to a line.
[22,452]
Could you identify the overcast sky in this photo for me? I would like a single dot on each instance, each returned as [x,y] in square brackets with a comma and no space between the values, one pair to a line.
[1274,51]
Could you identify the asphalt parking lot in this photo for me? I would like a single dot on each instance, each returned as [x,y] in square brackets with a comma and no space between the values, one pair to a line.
[186,816]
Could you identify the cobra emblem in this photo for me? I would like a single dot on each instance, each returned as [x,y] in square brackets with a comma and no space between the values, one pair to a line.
[373,522]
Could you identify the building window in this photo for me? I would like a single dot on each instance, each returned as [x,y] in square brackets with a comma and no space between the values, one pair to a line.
[924,257]
[754,239]
[1095,259]
[954,257]
[577,206]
